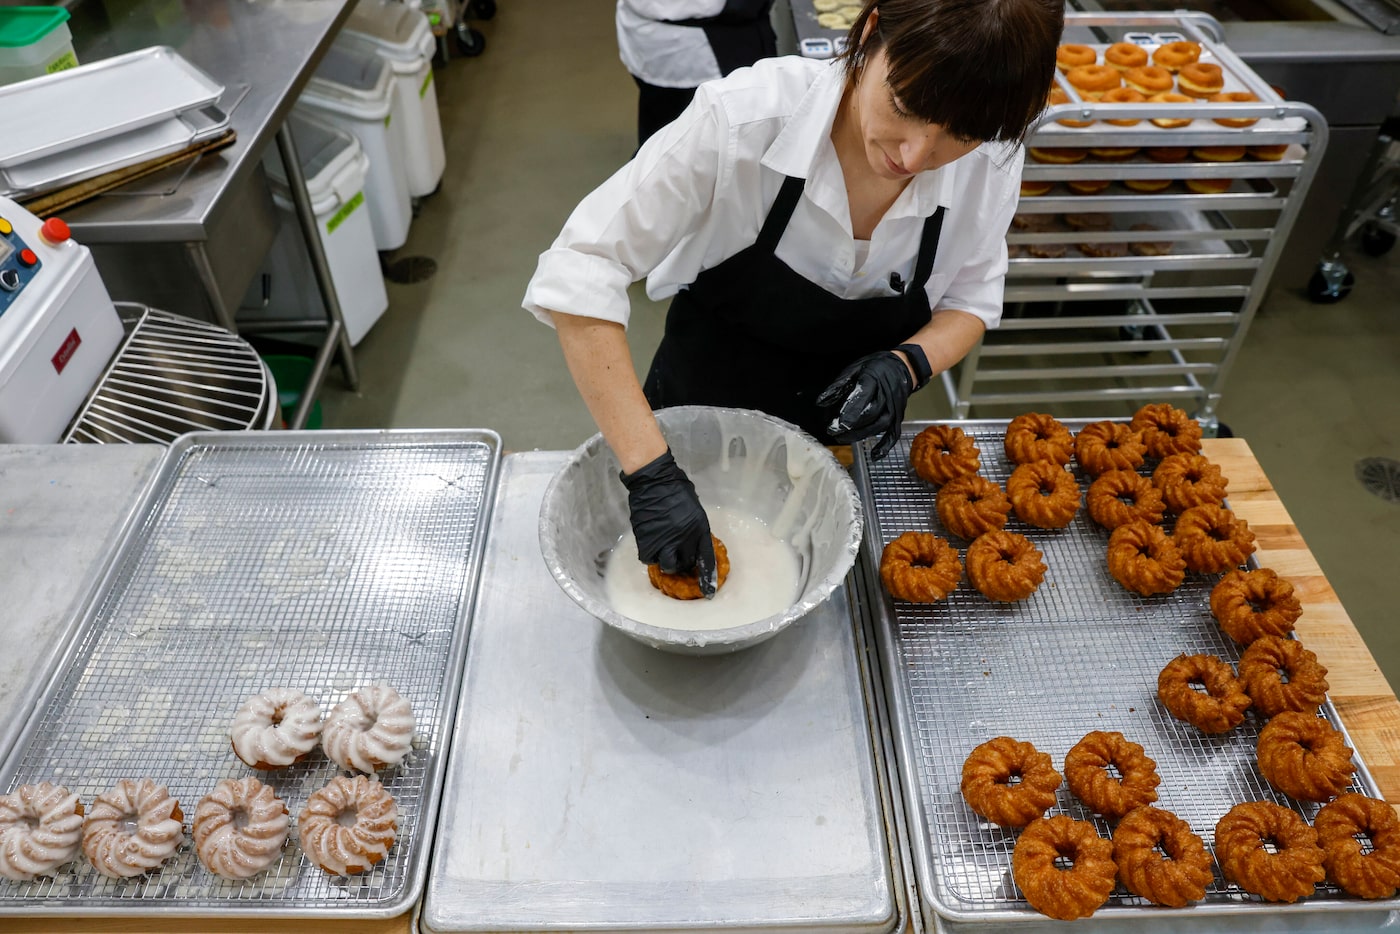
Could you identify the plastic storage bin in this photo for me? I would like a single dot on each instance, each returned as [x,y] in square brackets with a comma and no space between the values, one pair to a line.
[353,89]
[403,38]
[34,41]
[336,168]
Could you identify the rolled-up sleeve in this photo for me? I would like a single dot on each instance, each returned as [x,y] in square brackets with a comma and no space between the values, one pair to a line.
[622,230]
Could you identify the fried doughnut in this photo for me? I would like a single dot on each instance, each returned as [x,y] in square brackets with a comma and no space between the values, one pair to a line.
[1103,249]
[1111,154]
[1004,566]
[1033,189]
[1147,185]
[1150,247]
[1092,80]
[1212,539]
[1149,80]
[1046,250]
[1282,876]
[1085,771]
[1306,687]
[1176,880]
[276,728]
[687,586]
[1167,153]
[920,567]
[1118,497]
[1087,186]
[1057,155]
[1188,480]
[1064,894]
[1125,55]
[1058,95]
[1269,153]
[1071,55]
[1043,494]
[1123,95]
[970,505]
[1173,56]
[1037,437]
[1218,153]
[132,828]
[1170,123]
[986,786]
[348,826]
[1144,559]
[1220,709]
[1089,220]
[1303,757]
[239,828]
[1252,604]
[1104,446]
[1167,430]
[1208,186]
[1234,97]
[41,828]
[1366,875]
[941,452]
[1200,79]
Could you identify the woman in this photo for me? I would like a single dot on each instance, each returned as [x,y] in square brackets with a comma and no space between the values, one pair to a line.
[833,233]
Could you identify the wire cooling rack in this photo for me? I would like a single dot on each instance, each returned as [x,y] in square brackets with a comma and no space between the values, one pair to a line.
[1081,654]
[321,561]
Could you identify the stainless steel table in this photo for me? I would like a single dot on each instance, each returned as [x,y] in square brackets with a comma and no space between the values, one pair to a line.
[264,53]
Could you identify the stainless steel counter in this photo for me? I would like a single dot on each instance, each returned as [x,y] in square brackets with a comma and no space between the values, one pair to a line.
[61,507]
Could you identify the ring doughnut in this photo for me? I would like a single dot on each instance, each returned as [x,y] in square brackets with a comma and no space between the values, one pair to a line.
[1034,436]
[1071,55]
[986,784]
[1218,153]
[1118,497]
[1200,79]
[1252,604]
[1167,153]
[941,452]
[349,825]
[239,828]
[1064,894]
[1057,155]
[1092,80]
[1370,875]
[1176,880]
[276,728]
[1306,687]
[1004,566]
[1170,123]
[1269,153]
[972,505]
[1103,446]
[1212,539]
[1144,559]
[1220,709]
[1043,494]
[1282,876]
[1167,430]
[687,586]
[1149,80]
[1187,480]
[1234,97]
[1085,771]
[41,828]
[1124,95]
[1173,56]
[132,828]
[920,567]
[1058,95]
[1303,757]
[1033,189]
[1125,55]
[1087,186]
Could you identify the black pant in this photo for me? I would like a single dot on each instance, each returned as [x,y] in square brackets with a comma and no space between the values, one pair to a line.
[658,106]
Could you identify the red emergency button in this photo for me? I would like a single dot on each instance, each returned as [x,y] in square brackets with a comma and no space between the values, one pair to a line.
[55,231]
[27,258]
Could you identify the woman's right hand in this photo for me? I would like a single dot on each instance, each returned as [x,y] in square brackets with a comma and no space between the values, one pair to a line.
[671,526]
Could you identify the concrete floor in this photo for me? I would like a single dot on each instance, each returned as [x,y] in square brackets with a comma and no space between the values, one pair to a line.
[548,112]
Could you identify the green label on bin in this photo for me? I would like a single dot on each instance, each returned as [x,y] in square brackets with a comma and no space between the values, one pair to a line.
[64,62]
[427,83]
[345,211]
[387,118]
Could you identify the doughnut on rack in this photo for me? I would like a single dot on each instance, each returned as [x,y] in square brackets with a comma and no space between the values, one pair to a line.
[1183,314]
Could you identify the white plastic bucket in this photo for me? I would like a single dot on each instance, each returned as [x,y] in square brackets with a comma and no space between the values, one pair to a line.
[336,169]
[403,38]
[353,89]
[34,41]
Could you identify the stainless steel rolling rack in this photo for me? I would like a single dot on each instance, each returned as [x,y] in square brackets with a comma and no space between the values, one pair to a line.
[1156,313]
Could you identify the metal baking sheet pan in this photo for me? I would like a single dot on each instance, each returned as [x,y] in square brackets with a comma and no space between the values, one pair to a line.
[1080,654]
[1193,240]
[99,100]
[322,561]
[598,784]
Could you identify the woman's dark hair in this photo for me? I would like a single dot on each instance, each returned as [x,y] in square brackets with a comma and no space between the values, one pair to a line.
[981,69]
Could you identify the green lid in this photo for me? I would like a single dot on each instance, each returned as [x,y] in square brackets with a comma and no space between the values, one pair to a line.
[26,25]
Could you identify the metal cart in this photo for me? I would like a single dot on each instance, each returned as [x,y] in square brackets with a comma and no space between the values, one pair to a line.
[1372,213]
[1124,295]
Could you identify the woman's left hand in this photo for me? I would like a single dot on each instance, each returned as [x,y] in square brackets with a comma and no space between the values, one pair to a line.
[871,394]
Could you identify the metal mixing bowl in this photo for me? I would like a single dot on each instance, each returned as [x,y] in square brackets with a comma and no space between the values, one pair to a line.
[737,458]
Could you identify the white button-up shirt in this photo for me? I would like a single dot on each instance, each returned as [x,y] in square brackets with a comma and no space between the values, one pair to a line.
[662,53]
[699,190]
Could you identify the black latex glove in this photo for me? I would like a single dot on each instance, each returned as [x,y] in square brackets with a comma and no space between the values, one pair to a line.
[871,395]
[671,526]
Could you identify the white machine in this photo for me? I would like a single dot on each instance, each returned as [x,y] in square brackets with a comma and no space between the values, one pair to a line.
[58,328]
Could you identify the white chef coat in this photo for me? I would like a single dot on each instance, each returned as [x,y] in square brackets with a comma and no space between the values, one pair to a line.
[663,54]
[698,192]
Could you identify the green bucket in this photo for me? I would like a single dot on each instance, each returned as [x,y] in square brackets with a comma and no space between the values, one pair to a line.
[292,373]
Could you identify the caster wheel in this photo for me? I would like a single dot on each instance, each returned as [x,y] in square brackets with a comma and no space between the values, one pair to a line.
[1376,240]
[482,9]
[1325,289]
[470,43]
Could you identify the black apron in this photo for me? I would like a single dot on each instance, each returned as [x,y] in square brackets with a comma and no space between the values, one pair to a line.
[751,333]
[739,35]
